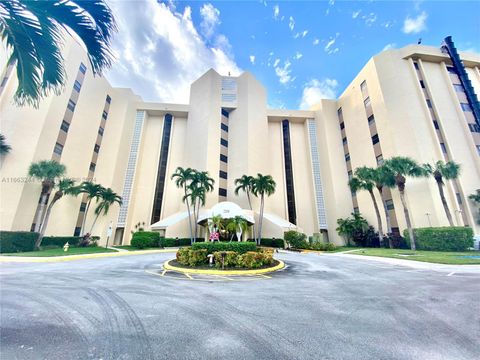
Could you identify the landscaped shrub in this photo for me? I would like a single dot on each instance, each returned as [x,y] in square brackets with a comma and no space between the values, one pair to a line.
[398,242]
[174,242]
[322,246]
[211,247]
[183,255]
[231,258]
[59,241]
[442,238]
[197,257]
[144,239]
[296,240]
[17,241]
[255,259]
[276,243]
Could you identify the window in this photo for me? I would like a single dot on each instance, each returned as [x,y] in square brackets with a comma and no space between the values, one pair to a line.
[474,128]
[429,103]
[77,86]
[222,192]
[458,88]
[375,139]
[224,127]
[451,70]
[223,174]
[342,125]
[4,81]
[363,86]
[444,148]
[344,141]
[396,231]
[76,232]
[104,115]
[422,84]
[459,198]
[366,102]
[466,107]
[371,119]
[289,182]
[224,142]
[416,66]
[101,130]
[389,204]
[58,149]
[109,99]
[71,105]
[340,112]
[478,149]
[225,113]
[83,206]
[83,68]
[96,148]
[92,166]
[65,125]
[350,175]
[347,157]
[380,160]
[435,124]
[356,210]
[223,158]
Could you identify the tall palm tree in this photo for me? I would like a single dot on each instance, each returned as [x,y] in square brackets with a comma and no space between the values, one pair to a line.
[201,184]
[64,187]
[183,178]
[363,180]
[34,32]
[107,198]
[48,171]
[92,191]
[245,184]
[402,167]
[448,171]
[4,147]
[262,185]
[382,178]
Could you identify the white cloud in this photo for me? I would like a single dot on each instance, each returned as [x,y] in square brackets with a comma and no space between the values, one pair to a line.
[276,11]
[369,19]
[160,51]
[329,48]
[283,73]
[210,19]
[355,14]
[304,33]
[389,46]
[252,59]
[291,23]
[298,55]
[415,25]
[316,42]
[315,90]
[275,64]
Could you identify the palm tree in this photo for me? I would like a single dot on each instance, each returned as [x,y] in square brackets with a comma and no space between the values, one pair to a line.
[217,222]
[183,178]
[363,180]
[34,32]
[92,191]
[262,185]
[48,171]
[384,178]
[401,167]
[201,184]
[4,147]
[197,196]
[107,198]
[241,226]
[245,183]
[64,187]
[448,171]
[476,199]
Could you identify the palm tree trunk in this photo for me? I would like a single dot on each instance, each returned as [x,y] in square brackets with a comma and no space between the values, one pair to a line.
[84,221]
[444,203]
[189,214]
[250,205]
[41,211]
[387,218]
[93,225]
[379,219]
[258,240]
[407,219]
[38,242]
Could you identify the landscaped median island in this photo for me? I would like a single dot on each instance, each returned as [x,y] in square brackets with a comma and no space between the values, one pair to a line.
[218,257]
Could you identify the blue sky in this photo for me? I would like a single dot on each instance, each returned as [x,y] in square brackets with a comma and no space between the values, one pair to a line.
[300,50]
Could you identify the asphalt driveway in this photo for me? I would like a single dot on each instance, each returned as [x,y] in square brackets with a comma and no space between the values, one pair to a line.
[320,307]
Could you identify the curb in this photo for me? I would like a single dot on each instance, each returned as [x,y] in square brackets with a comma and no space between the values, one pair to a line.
[33,259]
[277,267]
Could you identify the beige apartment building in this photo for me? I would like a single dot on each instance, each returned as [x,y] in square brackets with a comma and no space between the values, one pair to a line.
[413,101]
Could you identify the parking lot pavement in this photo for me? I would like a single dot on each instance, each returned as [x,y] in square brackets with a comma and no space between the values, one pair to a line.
[319,307]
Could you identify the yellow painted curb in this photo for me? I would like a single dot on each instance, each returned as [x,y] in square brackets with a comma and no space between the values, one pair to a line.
[32,259]
[277,267]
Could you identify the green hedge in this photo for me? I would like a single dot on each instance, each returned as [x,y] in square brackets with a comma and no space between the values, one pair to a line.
[59,241]
[232,259]
[145,239]
[211,247]
[174,242]
[442,238]
[17,241]
[270,242]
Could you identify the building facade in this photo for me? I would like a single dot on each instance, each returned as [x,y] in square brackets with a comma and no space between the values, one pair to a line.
[417,101]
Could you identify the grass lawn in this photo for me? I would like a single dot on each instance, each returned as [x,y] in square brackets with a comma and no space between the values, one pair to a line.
[60,252]
[132,248]
[439,257]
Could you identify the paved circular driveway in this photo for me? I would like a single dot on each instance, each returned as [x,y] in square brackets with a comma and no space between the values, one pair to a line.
[320,307]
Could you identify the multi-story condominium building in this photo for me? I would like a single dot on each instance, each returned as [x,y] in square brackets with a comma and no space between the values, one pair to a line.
[417,101]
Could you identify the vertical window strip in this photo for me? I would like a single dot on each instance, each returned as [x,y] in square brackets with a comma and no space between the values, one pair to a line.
[162,169]
[287,156]
[222,183]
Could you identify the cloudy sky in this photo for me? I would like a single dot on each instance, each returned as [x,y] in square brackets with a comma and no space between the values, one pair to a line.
[300,50]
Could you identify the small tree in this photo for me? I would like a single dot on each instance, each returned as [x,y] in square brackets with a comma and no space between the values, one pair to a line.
[236,226]
[262,185]
[183,178]
[441,171]
[107,198]
[352,229]
[93,192]
[245,184]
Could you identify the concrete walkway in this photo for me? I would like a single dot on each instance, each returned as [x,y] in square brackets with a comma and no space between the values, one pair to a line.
[412,263]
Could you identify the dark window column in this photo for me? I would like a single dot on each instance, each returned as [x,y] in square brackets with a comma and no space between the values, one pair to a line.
[287,154]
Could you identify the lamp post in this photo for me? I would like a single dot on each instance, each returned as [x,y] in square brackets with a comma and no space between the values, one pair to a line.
[428,217]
